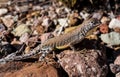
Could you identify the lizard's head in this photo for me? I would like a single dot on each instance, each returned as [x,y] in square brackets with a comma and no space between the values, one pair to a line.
[93,20]
[96,18]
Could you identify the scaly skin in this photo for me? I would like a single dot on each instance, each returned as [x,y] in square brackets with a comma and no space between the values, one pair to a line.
[62,41]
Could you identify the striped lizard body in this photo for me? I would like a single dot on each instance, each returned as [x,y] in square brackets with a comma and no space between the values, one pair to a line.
[65,40]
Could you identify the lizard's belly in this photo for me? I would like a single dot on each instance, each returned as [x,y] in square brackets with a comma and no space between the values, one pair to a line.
[63,46]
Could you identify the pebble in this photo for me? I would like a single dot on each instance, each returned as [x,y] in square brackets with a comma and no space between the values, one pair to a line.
[24,38]
[2,27]
[3,11]
[44,37]
[8,22]
[104,28]
[21,29]
[105,20]
[114,23]
[112,38]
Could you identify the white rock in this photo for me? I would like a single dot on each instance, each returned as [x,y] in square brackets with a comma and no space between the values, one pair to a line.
[45,22]
[114,23]
[111,15]
[112,38]
[24,38]
[8,16]
[63,22]
[84,14]
[9,2]
[67,10]
[17,8]
[36,7]
[3,11]
[57,10]
[22,8]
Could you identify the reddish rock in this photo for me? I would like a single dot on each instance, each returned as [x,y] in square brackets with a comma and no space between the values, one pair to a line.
[39,29]
[8,22]
[104,28]
[86,63]
[36,70]
[46,36]
[11,67]
[118,17]
[21,69]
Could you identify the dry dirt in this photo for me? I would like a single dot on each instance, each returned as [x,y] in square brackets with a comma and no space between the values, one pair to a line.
[31,69]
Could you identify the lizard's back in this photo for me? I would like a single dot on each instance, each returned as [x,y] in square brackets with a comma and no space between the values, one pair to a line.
[72,37]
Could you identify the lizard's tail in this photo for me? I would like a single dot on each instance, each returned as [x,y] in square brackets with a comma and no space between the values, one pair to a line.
[13,57]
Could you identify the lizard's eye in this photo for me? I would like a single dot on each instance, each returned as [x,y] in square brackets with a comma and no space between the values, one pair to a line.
[92,22]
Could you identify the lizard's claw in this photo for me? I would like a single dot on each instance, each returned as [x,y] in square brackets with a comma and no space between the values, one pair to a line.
[2,61]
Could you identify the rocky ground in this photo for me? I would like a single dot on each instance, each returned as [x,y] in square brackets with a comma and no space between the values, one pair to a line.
[25,24]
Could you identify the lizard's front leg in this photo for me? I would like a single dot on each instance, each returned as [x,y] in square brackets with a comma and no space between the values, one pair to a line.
[73,48]
[44,53]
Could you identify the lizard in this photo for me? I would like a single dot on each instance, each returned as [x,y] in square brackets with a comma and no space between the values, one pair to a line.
[62,41]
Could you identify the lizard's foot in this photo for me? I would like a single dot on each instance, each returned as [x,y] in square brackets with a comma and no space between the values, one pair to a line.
[73,48]
[41,58]
[43,55]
